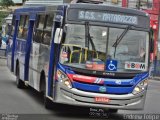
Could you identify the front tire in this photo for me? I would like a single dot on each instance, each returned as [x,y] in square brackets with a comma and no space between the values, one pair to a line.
[47,103]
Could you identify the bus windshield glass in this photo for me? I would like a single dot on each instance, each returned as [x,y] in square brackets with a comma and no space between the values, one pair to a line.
[93,47]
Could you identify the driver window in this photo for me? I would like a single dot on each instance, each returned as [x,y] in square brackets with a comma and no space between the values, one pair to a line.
[48,29]
[23,27]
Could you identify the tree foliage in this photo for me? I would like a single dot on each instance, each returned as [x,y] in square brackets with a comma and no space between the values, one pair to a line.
[6,3]
[3,14]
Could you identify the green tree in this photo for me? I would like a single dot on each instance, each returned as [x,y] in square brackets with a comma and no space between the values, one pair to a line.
[6,3]
[3,14]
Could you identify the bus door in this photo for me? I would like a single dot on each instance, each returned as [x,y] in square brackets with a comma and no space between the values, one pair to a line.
[54,54]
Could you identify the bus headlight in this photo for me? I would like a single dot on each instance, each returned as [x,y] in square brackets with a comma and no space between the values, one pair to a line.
[140,87]
[62,77]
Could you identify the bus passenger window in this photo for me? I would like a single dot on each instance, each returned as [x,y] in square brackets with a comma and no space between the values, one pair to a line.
[23,27]
[21,23]
[43,28]
[41,21]
[37,36]
[47,29]
[49,23]
[38,28]
[47,37]
[13,25]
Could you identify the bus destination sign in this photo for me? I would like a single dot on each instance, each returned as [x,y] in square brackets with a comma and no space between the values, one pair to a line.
[107,17]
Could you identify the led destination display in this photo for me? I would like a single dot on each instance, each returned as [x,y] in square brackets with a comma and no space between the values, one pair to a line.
[107,17]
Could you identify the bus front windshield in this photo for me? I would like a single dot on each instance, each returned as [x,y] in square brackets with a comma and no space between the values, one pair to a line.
[93,47]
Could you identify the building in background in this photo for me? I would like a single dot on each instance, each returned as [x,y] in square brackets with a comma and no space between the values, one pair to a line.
[130,3]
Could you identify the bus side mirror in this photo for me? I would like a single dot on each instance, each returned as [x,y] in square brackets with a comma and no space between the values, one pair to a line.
[58,36]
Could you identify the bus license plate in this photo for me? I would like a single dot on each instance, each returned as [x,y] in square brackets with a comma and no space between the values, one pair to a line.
[102,99]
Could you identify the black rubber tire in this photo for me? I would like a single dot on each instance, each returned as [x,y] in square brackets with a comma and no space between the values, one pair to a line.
[20,84]
[48,103]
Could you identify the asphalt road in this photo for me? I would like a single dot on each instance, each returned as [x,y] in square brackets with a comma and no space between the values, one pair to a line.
[28,104]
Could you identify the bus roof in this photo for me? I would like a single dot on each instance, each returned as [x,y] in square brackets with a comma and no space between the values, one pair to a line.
[29,9]
[39,8]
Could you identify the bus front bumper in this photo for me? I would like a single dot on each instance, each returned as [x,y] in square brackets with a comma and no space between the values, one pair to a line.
[82,98]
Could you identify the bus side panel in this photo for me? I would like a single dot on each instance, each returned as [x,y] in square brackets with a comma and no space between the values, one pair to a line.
[9,60]
[39,60]
[9,53]
[20,56]
[34,72]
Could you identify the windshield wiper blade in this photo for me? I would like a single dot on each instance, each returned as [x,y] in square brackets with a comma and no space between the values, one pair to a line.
[91,41]
[118,40]
[88,37]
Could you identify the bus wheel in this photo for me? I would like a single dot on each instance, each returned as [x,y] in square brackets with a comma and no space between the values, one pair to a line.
[47,103]
[19,82]
[113,110]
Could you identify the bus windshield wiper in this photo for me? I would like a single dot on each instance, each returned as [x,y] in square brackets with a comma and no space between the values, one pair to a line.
[88,37]
[118,40]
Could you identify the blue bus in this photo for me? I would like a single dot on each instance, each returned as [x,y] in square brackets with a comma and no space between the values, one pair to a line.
[82,54]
